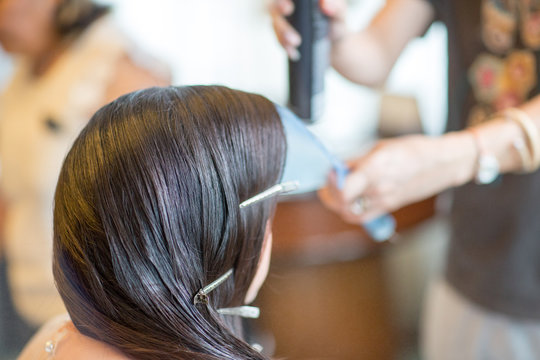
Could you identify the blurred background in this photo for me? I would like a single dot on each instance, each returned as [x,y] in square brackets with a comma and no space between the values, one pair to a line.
[331,293]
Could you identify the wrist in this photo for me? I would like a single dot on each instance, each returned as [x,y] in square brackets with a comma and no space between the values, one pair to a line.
[460,152]
[487,167]
[496,151]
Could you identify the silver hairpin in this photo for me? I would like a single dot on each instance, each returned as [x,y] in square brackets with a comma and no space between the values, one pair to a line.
[257,347]
[202,295]
[251,312]
[244,311]
[273,190]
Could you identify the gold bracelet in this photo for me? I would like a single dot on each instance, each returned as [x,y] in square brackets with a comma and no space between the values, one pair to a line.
[524,155]
[531,161]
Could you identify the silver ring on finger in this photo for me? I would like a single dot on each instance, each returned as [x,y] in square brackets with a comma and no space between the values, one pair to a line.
[359,205]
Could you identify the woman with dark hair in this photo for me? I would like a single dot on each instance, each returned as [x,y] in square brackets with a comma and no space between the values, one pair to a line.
[162,226]
[69,60]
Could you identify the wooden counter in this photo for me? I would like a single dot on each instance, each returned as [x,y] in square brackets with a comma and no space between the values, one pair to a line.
[306,232]
[326,295]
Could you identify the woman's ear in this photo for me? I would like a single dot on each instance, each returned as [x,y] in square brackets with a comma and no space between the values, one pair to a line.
[263,266]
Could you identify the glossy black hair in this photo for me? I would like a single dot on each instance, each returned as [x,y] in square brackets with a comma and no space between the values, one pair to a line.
[147,213]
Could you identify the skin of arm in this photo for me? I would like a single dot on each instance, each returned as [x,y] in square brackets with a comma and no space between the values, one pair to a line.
[367,57]
[402,170]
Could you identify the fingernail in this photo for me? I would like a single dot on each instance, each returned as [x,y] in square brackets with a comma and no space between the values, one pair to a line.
[293,38]
[327,6]
[287,7]
[294,55]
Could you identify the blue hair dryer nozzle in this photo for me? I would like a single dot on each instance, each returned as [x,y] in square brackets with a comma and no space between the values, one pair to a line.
[309,161]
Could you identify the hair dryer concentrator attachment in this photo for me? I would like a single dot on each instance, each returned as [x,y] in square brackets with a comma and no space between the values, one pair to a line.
[308,163]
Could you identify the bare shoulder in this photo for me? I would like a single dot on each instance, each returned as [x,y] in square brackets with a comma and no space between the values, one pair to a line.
[36,347]
[59,339]
[134,74]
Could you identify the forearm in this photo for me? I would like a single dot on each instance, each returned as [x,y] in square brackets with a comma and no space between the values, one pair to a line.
[456,154]
[511,136]
[368,56]
[399,171]
[361,59]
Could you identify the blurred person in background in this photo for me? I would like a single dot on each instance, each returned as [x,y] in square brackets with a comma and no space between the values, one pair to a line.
[69,59]
[487,304]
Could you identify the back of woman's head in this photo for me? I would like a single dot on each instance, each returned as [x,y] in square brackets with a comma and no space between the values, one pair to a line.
[147,213]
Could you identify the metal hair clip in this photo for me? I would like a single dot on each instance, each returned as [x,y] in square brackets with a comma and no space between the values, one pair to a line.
[202,296]
[251,312]
[271,191]
[244,311]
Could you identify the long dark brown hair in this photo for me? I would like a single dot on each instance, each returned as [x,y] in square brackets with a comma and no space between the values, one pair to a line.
[147,213]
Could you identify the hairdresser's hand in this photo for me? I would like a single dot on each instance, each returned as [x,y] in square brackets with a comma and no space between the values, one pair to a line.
[289,38]
[398,172]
